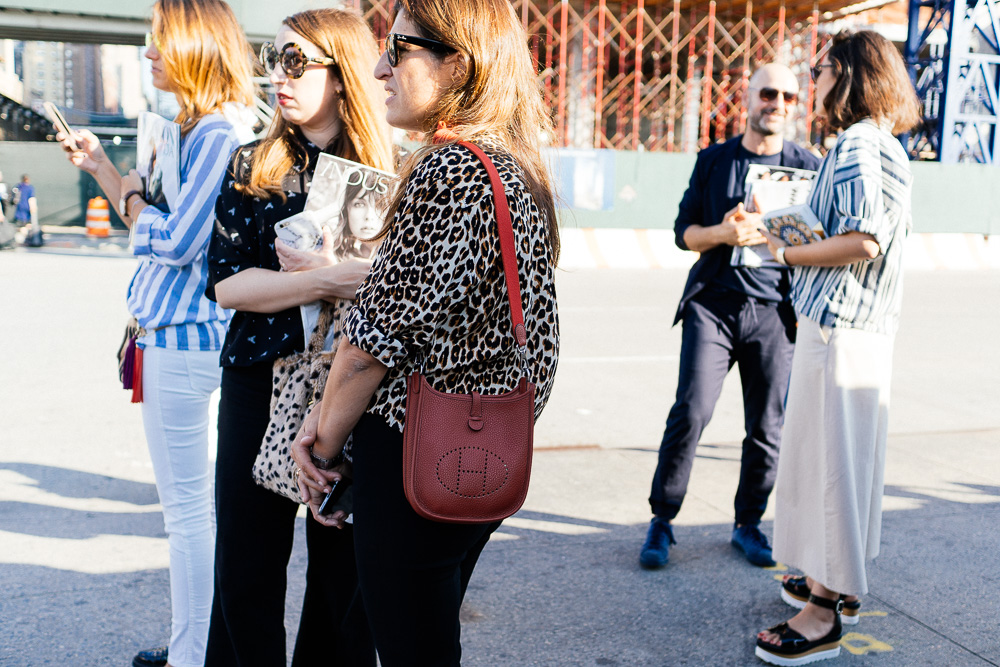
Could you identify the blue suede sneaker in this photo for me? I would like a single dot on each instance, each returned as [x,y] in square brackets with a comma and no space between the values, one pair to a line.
[656,550]
[753,544]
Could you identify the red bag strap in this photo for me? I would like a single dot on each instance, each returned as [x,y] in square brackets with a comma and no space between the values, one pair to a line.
[508,250]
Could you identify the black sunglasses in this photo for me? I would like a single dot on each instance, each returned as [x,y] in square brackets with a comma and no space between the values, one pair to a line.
[392,47]
[291,59]
[816,70]
[771,94]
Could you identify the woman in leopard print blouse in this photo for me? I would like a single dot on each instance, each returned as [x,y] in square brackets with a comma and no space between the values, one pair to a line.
[436,292]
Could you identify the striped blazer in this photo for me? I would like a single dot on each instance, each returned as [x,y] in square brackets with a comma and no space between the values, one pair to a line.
[863,185]
[167,292]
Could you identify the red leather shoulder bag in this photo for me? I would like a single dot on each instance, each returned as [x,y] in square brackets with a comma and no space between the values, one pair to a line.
[467,457]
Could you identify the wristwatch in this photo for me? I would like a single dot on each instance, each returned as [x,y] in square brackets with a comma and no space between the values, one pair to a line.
[779,255]
[123,202]
[324,463]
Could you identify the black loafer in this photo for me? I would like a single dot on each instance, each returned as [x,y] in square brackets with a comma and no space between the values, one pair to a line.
[794,649]
[153,657]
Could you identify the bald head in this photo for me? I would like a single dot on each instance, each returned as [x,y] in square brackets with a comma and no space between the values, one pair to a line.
[774,75]
[771,100]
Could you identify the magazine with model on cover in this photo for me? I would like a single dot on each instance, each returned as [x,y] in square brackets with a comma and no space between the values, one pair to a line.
[348,200]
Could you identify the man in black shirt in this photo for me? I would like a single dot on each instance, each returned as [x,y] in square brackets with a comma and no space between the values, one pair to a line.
[732,315]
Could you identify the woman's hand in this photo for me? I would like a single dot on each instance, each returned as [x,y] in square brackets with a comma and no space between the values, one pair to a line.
[314,483]
[132,181]
[773,242]
[84,150]
[304,260]
[342,281]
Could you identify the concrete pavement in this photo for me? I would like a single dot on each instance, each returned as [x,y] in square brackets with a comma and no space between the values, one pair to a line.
[83,554]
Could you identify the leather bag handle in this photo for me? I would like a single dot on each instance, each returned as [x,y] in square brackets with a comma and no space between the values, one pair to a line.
[508,250]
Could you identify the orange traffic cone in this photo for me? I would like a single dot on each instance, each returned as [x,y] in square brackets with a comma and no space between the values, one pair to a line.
[98,217]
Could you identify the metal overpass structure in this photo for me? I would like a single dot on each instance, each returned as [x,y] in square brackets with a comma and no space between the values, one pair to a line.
[123,22]
[958,81]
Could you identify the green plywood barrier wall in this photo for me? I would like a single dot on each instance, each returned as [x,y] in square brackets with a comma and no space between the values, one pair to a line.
[616,189]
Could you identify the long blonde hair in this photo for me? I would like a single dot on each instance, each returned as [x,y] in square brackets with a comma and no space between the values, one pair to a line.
[364,136]
[205,55]
[496,96]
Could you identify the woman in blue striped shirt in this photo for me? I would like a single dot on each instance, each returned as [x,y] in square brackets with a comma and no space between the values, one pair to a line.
[198,52]
[846,290]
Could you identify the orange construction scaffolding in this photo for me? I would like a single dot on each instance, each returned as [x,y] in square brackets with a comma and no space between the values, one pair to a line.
[660,75]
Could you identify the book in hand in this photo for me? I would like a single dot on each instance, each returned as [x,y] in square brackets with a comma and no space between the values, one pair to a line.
[348,199]
[773,187]
[795,225]
[158,160]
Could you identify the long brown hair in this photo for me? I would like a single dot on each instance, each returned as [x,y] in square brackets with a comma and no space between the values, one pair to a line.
[496,94]
[872,82]
[205,55]
[364,136]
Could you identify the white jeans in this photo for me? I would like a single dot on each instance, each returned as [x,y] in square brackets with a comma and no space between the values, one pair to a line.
[177,388]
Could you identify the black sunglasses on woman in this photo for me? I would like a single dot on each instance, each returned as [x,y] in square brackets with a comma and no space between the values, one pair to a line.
[392,45]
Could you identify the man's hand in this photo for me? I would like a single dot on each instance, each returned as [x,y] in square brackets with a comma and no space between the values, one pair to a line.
[741,227]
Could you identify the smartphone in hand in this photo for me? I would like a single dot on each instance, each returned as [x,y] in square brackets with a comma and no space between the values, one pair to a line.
[60,122]
[337,489]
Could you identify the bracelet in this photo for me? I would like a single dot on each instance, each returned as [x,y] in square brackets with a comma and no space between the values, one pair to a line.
[139,194]
[326,464]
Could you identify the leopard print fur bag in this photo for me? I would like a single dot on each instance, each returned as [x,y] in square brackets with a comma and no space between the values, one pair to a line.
[298,381]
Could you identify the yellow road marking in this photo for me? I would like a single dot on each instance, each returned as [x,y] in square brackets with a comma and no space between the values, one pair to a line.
[859,644]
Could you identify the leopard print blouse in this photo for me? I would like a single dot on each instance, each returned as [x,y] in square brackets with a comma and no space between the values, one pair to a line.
[436,290]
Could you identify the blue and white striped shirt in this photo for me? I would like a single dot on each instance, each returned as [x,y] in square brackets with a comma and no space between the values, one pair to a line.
[863,185]
[167,292]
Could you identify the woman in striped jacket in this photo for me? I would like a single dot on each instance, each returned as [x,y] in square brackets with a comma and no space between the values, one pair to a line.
[197,52]
[846,290]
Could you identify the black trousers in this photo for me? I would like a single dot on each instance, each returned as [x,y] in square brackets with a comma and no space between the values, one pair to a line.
[413,572]
[722,328]
[253,544]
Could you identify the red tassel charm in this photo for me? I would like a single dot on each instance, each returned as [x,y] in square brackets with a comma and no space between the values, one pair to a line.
[137,376]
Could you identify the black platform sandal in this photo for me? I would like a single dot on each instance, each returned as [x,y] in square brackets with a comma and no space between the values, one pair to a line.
[795,593]
[795,649]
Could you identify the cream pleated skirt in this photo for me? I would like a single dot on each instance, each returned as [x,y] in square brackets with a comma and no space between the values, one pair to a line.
[828,494]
